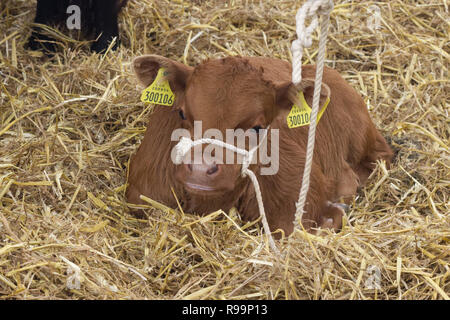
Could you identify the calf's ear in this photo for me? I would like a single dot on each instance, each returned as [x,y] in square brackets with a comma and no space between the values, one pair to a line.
[146,68]
[287,94]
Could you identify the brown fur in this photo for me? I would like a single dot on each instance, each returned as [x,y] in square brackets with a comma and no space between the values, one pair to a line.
[247,92]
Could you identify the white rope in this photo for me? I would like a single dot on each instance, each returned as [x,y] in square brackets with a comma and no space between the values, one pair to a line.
[185,144]
[312,8]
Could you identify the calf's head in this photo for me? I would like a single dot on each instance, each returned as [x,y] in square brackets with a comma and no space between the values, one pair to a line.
[220,94]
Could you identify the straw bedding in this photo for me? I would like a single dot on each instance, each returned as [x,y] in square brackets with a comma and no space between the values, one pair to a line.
[69,124]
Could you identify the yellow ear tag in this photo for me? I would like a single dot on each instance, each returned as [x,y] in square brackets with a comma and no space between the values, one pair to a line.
[159,91]
[301,115]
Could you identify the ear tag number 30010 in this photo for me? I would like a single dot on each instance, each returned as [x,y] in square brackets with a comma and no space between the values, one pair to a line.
[301,115]
[159,91]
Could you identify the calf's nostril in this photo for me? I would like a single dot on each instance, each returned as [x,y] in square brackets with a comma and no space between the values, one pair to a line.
[213,169]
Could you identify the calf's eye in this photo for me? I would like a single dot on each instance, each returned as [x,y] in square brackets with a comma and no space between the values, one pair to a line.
[182,116]
[257,128]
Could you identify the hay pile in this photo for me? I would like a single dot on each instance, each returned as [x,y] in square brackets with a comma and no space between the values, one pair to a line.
[68,126]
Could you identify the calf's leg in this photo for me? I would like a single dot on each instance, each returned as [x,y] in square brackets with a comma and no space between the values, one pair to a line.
[347,184]
[378,150]
[320,210]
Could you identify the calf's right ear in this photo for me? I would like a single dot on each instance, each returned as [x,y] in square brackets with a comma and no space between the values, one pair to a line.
[287,93]
[146,68]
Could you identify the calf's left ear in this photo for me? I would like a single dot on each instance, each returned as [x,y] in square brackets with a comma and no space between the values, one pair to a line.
[287,94]
[146,68]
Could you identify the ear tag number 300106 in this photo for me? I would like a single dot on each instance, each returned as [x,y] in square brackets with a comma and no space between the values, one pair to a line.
[159,91]
[301,115]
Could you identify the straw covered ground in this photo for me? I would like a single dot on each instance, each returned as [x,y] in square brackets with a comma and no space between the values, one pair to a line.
[69,124]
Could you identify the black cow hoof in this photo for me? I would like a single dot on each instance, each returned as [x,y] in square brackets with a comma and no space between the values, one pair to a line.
[38,41]
[102,44]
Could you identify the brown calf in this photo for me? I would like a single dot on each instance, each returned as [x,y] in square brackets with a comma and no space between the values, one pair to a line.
[238,92]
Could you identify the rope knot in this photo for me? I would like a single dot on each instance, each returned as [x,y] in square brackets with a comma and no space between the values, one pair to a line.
[246,162]
[311,9]
[297,46]
[182,147]
[325,8]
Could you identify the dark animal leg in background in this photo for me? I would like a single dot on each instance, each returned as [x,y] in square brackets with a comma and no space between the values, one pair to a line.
[46,13]
[105,25]
[98,17]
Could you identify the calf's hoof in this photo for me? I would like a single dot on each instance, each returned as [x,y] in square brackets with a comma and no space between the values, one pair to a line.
[343,206]
[332,218]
